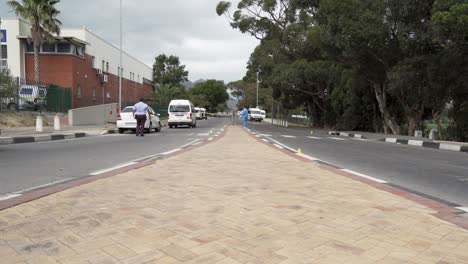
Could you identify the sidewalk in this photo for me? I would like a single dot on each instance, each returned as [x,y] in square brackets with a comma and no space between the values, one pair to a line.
[232,201]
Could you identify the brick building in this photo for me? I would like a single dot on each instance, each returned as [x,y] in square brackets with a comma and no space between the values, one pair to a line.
[79,60]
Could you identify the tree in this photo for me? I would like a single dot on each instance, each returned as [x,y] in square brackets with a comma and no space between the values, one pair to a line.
[167,70]
[42,15]
[213,93]
[166,92]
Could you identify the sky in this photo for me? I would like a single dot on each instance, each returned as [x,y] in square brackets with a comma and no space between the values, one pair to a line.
[190,29]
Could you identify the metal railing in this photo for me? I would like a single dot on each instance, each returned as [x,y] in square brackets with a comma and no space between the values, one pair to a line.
[18,94]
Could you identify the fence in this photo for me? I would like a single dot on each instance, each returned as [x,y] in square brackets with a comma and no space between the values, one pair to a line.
[22,95]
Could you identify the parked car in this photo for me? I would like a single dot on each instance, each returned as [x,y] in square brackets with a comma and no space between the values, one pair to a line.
[181,113]
[263,114]
[255,114]
[126,120]
[204,114]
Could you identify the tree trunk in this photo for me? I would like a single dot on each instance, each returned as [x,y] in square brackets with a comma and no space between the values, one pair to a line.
[37,77]
[381,96]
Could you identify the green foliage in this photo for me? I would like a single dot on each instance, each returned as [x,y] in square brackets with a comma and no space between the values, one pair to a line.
[211,95]
[166,92]
[168,71]
[42,15]
[8,85]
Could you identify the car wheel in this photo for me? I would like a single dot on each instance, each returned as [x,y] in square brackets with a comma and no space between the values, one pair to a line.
[158,129]
[121,130]
[150,129]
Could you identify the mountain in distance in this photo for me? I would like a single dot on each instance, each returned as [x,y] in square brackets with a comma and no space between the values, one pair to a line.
[189,85]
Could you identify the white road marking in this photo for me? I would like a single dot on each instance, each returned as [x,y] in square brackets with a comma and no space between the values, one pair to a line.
[265,135]
[281,144]
[203,134]
[288,136]
[210,139]
[364,176]
[111,169]
[465,209]
[315,138]
[198,143]
[9,196]
[257,136]
[307,157]
[265,140]
[278,146]
[335,138]
[190,143]
[170,152]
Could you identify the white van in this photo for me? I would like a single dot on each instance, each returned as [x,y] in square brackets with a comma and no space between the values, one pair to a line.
[198,113]
[255,114]
[181,113]
[263,114]
[203,113]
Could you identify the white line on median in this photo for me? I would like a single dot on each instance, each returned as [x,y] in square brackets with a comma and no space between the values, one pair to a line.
[314,137]
[288,136]
[282,145]
[335,138]
[9,196]
[464,209]
[364,176]
[113,168]
[170,152]
[265,140]
[189,144]
[307,157]
[210,139]
[278,146]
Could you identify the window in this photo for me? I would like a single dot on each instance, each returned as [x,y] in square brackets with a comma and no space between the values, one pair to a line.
[48,47]
[78,91]
[179,108]
[138,78]
[94,93]
[118,71]
[63,48]
[107,66]
[103,68]
[4,52]
[79,51]
[29,47]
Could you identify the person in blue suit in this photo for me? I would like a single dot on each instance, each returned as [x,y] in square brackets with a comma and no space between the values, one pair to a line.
[245,116]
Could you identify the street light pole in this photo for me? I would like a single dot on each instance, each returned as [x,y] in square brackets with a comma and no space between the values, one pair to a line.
[120,68]
[257,88]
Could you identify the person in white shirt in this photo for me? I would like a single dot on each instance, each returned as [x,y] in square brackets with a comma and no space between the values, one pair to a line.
[139,112]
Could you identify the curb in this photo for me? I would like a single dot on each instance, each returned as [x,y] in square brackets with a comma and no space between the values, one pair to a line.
[444,210]
[108,132]
[427,144]
[344,134]
[40,138]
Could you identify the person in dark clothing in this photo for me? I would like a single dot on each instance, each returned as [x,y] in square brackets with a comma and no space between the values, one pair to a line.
[139,112]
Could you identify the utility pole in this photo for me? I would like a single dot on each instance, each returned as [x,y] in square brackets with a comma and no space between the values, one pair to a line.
[121,68]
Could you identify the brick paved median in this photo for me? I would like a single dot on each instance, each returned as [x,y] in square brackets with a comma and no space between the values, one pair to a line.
[232,201]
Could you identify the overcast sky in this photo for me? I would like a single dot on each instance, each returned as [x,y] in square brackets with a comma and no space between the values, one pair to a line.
[190,29]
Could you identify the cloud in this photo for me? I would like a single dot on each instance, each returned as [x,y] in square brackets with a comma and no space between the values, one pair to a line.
[190,29]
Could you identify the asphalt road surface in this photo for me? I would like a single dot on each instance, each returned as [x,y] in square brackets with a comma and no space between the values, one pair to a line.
[26,166]
[435,173]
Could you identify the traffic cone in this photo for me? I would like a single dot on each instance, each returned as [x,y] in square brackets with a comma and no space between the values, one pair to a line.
[299,151]
[211,132]
[312,132]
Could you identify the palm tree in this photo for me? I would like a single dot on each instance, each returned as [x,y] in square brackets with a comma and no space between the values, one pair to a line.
[42,15]
[166,92]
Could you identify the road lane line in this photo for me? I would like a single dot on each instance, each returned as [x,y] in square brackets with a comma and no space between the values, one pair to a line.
[315,137]
[339,139]
[210,139]
[265,135]
[112,168]
[364,176]
[9,196]
[265,140]
[288,136]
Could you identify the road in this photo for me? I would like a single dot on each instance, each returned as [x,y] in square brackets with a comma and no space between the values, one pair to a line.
[435,173]
[26,166]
